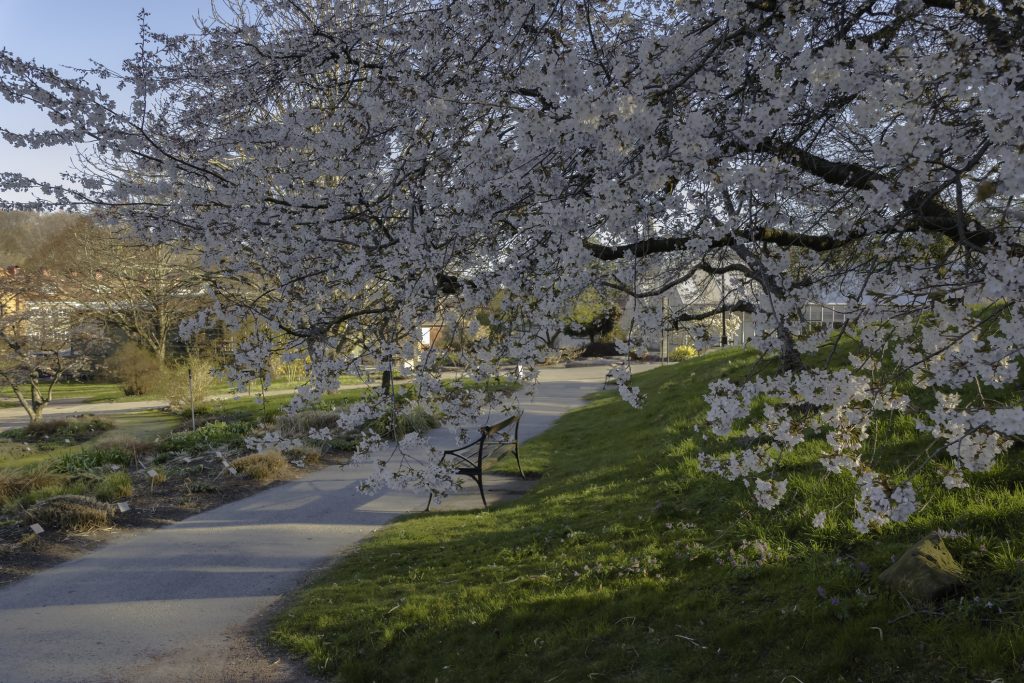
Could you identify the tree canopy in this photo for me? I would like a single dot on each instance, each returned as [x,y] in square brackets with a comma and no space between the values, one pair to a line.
[353,168]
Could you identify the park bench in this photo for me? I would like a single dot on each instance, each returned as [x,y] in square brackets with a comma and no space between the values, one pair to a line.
[495,441]
[609,377]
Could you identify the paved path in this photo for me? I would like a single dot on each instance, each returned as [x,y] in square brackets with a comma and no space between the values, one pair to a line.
[173,604]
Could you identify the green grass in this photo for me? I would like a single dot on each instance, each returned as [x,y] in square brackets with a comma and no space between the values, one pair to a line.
[627,563]
[105,392]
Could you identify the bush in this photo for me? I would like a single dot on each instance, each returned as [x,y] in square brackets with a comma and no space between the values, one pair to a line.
[129,444]
[265,466]
[596,349]
[297,425]
[413,417]
[90,458]
[176,386]
[77,428]
[215,434]
[137,370]
[682,352]
[114,486]
[70,513]
[18,483]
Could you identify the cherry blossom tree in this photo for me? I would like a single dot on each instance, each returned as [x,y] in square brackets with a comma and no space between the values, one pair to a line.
[354,169]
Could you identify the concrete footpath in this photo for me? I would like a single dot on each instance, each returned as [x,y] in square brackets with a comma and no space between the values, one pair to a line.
[177,603]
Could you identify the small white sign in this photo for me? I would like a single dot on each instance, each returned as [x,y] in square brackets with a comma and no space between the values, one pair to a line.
[115,467]
[232,470]
[36,529]
[123,507]
[298,463]
[152,473]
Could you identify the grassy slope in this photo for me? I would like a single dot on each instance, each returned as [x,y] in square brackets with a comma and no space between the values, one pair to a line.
[626,563]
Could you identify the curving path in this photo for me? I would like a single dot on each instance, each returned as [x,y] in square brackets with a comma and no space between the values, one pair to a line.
[177,603]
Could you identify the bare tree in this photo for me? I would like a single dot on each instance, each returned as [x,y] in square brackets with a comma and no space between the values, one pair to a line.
[42,340]
[145,290]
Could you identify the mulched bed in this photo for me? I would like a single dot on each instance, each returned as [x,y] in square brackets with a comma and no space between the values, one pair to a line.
[191,487]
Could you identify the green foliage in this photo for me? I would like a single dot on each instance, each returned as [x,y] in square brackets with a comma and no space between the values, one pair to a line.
[593,316]
[75,428]
[216,434]
[628,563]
[297,425]
[114,486]
[137,370]
[181,393]
[91,458]
[16,485]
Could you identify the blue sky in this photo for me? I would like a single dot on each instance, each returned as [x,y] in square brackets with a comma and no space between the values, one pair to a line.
[71,32]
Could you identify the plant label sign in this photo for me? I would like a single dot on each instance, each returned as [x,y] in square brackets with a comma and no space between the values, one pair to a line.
[123,507]
[36,529]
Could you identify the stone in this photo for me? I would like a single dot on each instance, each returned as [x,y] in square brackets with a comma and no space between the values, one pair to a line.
[925,572]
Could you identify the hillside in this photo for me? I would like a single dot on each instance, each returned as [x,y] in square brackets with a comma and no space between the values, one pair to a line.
[628,563]
[25,237]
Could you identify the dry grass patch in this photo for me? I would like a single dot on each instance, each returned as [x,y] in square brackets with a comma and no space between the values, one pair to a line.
[70,513]
[310,455]
[265,466]
[15,484]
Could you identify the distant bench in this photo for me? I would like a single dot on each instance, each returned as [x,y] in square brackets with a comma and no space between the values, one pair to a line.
[495,441]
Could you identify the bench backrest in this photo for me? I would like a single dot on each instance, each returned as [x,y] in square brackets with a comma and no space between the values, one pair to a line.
[491,430]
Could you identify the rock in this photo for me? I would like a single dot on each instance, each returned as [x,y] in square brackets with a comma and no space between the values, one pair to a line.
[925,572]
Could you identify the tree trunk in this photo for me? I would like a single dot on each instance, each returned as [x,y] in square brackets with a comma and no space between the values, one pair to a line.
[789,357]
[387,376]
[38,403]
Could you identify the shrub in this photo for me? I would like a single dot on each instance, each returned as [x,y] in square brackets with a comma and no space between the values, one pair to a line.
[129,444]
[215,434]
[682,352]
[90,458]
[70,513]
[290,371]
[78,428]
[265,466]
[114,486]
[18,483]
[176,385]
[412,417]
[137,370]
[297,425]
[596,349]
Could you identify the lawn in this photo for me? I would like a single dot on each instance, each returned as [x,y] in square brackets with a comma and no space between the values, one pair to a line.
[628,563]
[103,392]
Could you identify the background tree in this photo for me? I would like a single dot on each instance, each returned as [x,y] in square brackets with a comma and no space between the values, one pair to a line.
[145,290]
[592,316]
[42,341]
